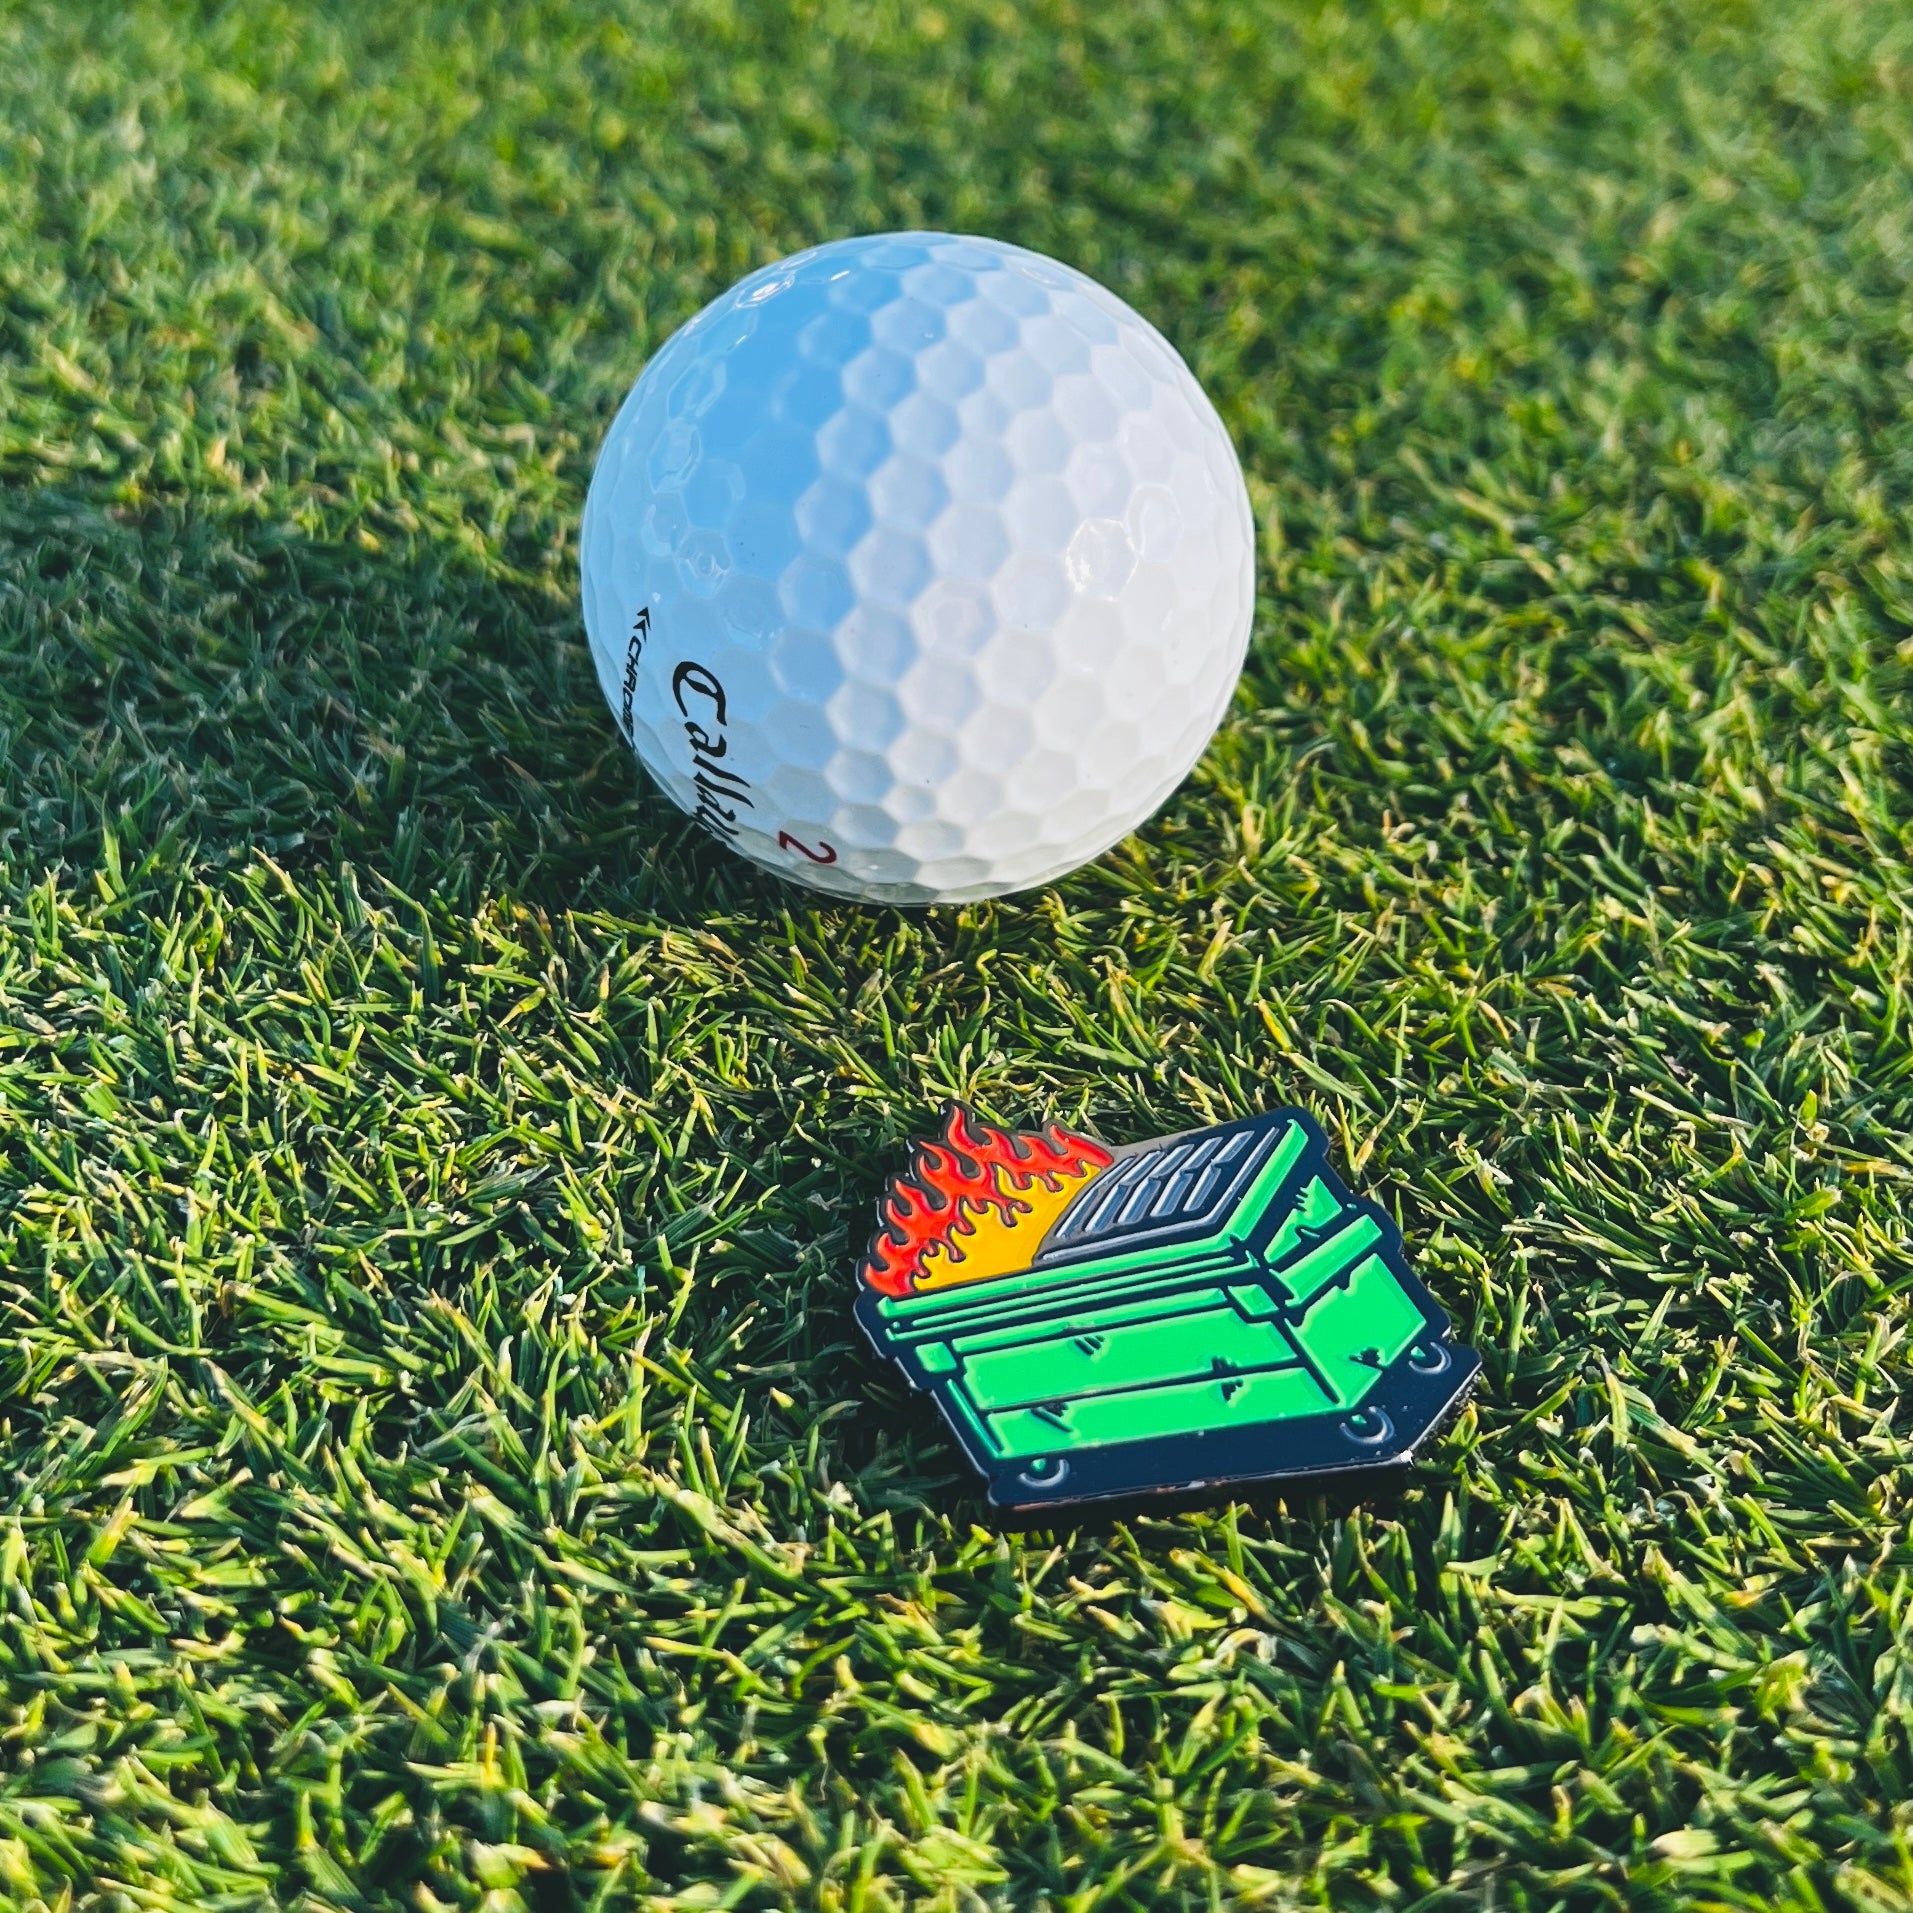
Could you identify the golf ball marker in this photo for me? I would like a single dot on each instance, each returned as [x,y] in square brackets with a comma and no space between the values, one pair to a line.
[918,568]
[1211,1310]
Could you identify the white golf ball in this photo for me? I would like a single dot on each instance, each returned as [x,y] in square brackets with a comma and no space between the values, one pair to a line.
[918,568]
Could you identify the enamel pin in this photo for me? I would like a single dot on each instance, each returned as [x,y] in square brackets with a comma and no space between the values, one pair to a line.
[1205,1311]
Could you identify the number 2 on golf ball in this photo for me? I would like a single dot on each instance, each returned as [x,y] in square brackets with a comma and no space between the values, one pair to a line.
[918,568]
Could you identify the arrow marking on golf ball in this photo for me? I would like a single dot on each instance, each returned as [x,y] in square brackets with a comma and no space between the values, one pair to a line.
[633,657]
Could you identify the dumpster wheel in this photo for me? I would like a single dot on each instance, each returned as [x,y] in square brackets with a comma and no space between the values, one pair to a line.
[1046,1472]
[1370,1427]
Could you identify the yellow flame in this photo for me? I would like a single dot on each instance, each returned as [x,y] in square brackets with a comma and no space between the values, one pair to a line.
[984,1244]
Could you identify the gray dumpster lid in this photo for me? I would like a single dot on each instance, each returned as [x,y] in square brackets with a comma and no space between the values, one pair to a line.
[1174,1189]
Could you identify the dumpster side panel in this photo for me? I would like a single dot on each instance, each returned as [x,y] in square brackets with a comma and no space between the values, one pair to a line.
[1318,1208]
[1306,1279]
[1045,1294]
[1085,1318]
[1148,1414]
[1088,1359]
[1351,1334]
[981,1440]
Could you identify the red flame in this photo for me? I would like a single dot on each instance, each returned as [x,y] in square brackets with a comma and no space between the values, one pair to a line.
[973,1173]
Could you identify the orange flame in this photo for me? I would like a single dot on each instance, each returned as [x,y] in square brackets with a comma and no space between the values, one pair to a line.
[975,1203]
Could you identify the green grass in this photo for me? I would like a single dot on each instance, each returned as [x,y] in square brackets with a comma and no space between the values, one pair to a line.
[439,1468]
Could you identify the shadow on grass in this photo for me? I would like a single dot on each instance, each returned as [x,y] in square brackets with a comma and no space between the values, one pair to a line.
[186,694]
[186,690]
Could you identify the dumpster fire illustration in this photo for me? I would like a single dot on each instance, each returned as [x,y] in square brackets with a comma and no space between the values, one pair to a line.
[973,1203]
[1208,1310]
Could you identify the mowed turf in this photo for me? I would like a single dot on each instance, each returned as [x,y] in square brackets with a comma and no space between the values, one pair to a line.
[439,1469]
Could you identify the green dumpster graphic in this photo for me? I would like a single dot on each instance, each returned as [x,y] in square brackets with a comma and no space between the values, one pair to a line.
[1209,1309]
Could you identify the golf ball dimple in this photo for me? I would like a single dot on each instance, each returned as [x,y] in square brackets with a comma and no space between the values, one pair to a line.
[918,568]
